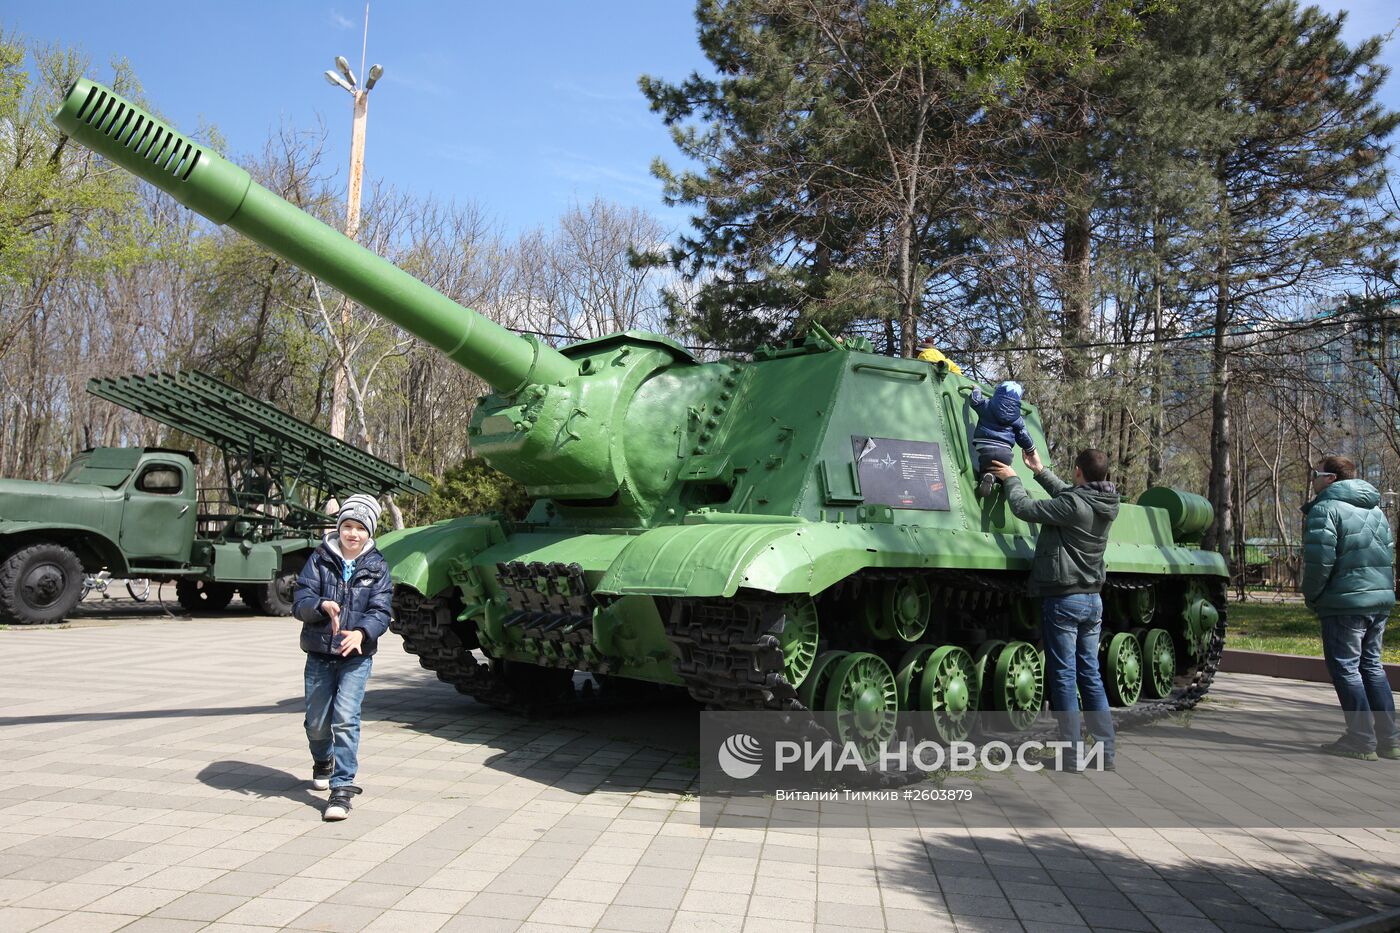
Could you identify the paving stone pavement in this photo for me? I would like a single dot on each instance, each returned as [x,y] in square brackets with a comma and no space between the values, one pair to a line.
[152,777]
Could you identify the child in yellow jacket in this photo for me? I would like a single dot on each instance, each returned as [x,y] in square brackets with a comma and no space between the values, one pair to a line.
[931,354]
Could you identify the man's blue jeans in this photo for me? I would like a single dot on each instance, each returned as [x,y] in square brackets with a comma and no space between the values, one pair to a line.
[335,687]
[1352,648]
[1070,628]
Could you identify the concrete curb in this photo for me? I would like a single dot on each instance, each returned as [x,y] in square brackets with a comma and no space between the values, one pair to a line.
[1292,666]
[1376,923]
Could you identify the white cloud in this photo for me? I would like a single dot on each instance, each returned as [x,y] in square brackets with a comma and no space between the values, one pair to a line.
[414,82]
[573,89]
[461,153]
[574,167]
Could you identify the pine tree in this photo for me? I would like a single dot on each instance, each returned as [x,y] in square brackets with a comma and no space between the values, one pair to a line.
[1298,146]
[855,152]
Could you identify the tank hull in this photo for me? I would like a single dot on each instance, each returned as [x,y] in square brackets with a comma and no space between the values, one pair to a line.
[623,606]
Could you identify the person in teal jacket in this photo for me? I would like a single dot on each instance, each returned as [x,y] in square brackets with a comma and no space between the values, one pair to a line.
[1349,581]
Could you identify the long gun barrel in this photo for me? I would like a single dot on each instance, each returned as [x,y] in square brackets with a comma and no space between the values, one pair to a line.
[221,191]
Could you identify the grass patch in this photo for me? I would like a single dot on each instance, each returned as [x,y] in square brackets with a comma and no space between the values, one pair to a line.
[1290,628]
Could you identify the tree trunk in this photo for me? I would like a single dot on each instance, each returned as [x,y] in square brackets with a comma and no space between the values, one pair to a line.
[1219,535]
[1076,263]
[1155,417]
[908,297]
[1241,498]
[1076,259]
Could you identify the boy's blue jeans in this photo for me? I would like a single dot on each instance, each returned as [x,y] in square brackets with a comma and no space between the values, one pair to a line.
[1351,646]
[1070,628]
[335,687]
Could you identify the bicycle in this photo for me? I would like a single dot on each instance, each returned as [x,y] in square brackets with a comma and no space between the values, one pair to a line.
[138,588]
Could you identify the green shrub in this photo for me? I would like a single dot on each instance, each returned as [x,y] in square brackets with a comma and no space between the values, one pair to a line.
[471,488]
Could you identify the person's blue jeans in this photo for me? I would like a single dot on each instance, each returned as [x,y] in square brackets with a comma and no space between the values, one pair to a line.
[1070,627]
[1351,646]
[335,687]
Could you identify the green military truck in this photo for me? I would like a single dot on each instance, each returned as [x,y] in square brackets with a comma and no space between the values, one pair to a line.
[139,511]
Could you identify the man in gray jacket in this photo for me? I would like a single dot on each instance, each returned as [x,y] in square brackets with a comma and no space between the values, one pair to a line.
[1349,581]
[1067,574]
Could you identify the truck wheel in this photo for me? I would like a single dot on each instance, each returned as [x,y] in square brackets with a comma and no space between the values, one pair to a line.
[40,583]
[275,598]
[203,595]
[252,595]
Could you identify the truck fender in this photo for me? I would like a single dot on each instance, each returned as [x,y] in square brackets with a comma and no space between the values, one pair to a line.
[95,550]
[425,557]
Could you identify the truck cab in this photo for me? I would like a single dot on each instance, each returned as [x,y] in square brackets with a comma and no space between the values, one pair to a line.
[130,510]
[156,488]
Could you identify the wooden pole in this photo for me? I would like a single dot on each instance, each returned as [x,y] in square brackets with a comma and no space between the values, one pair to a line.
[339,390]
[357,162]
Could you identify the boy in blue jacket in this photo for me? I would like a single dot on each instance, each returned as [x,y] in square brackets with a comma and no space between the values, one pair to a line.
[342,599]
[999,426]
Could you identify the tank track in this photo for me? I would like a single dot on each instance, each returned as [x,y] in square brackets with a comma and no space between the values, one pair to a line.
[426,626]
[730,657]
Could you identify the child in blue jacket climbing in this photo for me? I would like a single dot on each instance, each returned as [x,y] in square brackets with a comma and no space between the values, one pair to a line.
[999,426]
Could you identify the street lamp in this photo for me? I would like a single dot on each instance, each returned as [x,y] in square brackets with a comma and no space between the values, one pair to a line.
[338,81]
[343,78]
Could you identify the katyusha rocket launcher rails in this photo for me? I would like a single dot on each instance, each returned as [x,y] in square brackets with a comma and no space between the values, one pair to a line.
[798,529]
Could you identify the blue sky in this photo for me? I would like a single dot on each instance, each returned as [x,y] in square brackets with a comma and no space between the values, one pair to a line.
[521,107]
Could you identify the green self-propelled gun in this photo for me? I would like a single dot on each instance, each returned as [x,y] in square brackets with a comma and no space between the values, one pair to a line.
[795,530]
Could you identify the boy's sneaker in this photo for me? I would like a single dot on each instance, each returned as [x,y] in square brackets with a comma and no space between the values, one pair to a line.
[1391,752]
[1341,749]
[984,488]
[338,808]
[321,774]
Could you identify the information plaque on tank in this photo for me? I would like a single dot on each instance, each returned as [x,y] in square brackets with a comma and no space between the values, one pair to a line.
[901,474]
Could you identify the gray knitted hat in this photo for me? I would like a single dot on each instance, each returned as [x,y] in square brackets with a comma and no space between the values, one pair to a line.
[359,508]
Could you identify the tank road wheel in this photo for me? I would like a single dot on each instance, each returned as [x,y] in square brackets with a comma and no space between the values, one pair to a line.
[908,674]
[902,610]
[1025,617]
[1123,670]
[1137,607]
[1159,661]
[1199,616]
[203,595]
[1018,683]
[908,603]
[948,691]
[941,682]
[984,661]
[798,638]
[863,694]
[812,693]
[40,583]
